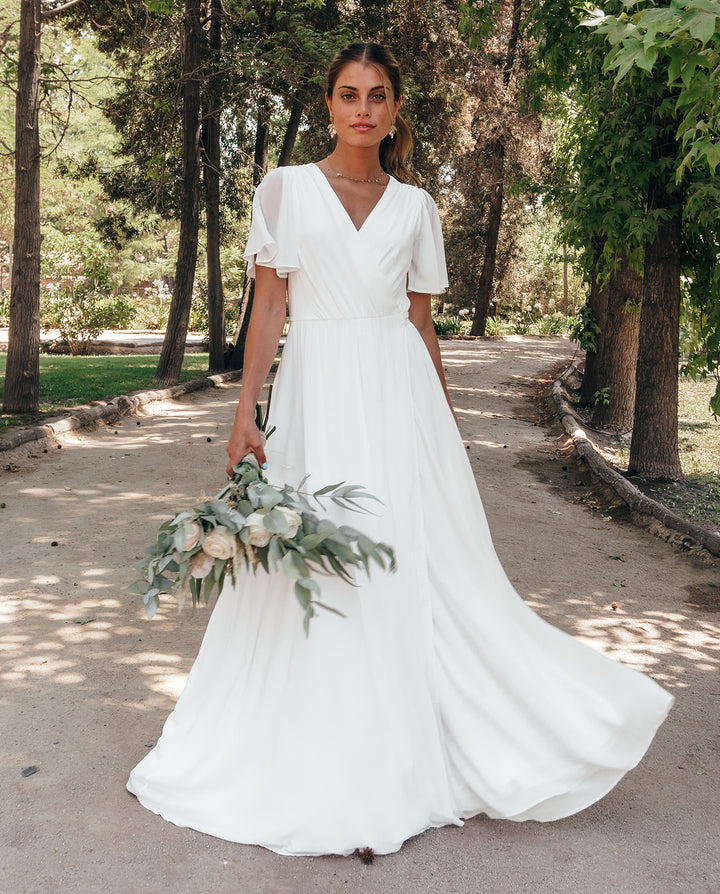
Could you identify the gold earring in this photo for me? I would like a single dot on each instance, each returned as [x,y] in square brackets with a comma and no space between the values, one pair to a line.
[331,128]
[392,132]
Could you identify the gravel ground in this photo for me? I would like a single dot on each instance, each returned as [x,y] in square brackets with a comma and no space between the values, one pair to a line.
[87,682]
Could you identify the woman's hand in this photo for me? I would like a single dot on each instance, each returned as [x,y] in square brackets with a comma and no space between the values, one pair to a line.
[245,438]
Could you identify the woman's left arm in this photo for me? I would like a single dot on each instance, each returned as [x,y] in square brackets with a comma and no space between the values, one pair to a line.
[420,315]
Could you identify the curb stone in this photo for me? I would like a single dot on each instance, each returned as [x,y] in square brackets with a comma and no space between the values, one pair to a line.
[670,523]
[108,410]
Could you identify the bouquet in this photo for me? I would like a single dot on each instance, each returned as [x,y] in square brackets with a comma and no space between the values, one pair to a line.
[251,524]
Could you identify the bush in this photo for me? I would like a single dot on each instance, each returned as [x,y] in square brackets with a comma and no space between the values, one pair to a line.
[77,294]
[152,309]
[4,308]
[445,325]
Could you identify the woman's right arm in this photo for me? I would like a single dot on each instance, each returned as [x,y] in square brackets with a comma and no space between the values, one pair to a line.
[266,325]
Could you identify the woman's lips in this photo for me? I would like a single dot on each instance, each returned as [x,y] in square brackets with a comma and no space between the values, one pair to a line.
[362,127]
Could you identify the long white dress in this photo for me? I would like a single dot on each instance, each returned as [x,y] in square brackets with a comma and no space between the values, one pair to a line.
[440,695]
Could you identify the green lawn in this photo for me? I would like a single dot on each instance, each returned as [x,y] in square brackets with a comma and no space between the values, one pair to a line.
[697,496]
[66,381]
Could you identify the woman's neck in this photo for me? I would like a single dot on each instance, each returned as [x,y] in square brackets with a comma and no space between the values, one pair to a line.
[361,164]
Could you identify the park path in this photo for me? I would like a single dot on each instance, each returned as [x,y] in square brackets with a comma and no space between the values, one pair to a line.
[86,682]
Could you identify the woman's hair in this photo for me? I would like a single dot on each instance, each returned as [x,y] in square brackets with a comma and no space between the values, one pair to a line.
[394,152]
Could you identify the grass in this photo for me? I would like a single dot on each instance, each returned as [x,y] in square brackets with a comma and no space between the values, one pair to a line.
[67,381]
[697,497]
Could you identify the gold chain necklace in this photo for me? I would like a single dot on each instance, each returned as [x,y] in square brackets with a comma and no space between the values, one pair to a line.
[356,179]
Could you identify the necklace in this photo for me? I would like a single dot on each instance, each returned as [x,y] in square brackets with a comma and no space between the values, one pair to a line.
[356,179]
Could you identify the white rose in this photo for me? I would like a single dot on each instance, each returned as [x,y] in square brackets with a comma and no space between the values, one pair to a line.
[294,519]
[200,565]
[192,536]
[258,534]
[220,543]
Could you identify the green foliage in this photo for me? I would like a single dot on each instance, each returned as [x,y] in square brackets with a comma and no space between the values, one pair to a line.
[76,295]
[682,40]
[679,44]
[586,330]
[451,325]
[602,397]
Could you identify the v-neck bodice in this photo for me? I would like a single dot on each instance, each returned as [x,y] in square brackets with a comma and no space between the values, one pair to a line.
[336,271]
[358,229]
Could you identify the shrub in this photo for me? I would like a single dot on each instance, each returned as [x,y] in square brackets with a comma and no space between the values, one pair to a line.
[445,326]
[152,308]
[77,286]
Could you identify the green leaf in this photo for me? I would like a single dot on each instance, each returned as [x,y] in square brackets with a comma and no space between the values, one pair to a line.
[310,541]
[303,594]
[327,489]
[702,26]
[288,566]
[307,617]
[276,522]
[275,552]
[140,587]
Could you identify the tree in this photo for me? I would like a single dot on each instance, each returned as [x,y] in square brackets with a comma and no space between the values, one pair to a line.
[22,374]
[173,349]
[212,174]
[681,42]
[483,296]
[617,359]
[633,197]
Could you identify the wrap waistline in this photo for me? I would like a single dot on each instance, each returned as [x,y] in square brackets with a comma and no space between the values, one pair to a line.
[399,316]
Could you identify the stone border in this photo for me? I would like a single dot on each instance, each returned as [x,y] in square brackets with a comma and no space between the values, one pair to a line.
[108,410]
[638,502]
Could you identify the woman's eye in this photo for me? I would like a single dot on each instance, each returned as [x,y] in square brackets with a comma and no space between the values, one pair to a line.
[347,96]
[379,97]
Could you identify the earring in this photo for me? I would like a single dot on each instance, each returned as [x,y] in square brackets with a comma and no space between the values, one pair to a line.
[392,132]
[331,129]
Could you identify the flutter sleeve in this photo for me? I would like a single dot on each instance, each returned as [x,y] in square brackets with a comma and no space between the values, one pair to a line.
[427,268]
[272,238]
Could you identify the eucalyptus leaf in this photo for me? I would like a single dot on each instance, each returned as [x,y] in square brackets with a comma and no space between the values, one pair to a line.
[276,522]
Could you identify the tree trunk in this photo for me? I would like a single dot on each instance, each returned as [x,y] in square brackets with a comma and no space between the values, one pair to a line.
[483,295]
[598,302]
[22,374]
[654,451]
[262,143]
[620,349]
[291,131]
[173,349]
[211,172]
[236,354]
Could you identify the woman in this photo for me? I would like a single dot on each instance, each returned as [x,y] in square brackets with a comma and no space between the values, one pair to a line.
[440,695]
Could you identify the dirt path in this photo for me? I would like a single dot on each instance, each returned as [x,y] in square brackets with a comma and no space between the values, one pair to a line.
[86,682]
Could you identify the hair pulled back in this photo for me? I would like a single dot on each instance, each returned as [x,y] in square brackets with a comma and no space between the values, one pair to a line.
[394,152]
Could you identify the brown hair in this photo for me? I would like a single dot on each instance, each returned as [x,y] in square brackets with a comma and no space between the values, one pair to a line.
[394,152]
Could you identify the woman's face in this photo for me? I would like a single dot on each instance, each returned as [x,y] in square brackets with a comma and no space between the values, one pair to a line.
[363,105]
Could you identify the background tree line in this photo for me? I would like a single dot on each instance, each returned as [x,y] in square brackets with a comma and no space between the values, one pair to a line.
[526,138]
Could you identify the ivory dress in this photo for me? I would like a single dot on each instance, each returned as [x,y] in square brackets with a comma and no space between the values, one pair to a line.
[440,695]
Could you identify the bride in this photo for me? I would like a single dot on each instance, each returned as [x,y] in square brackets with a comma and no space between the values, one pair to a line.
[440,694]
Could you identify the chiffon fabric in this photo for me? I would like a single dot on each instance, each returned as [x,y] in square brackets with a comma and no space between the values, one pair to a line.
[440,694]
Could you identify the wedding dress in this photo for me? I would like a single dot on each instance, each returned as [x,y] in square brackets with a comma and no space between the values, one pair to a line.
[440,695]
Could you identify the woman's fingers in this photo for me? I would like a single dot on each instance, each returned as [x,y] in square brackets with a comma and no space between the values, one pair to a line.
[241,446]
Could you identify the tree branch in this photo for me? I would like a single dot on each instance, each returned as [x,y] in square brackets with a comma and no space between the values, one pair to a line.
[51,13]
